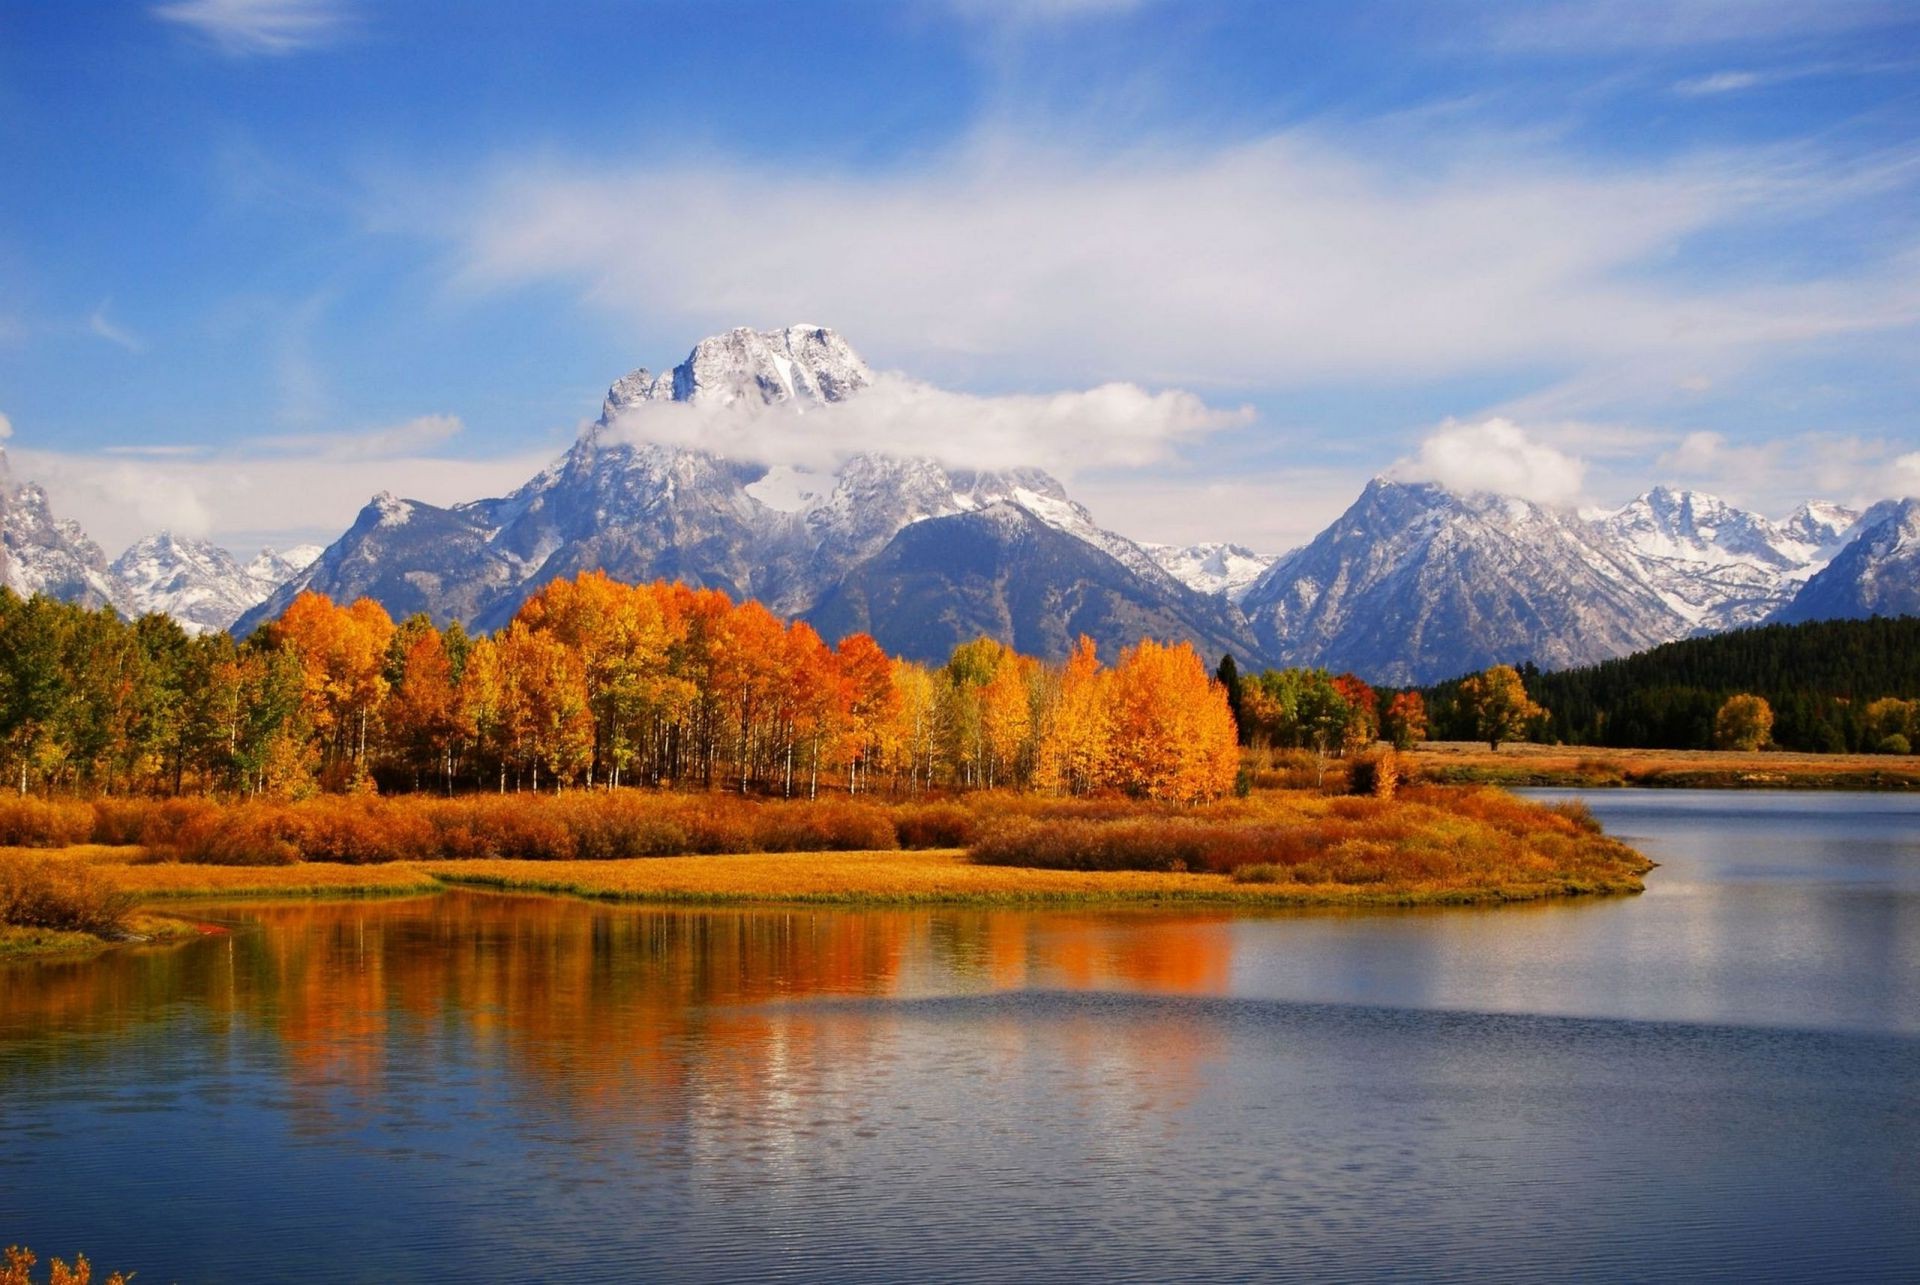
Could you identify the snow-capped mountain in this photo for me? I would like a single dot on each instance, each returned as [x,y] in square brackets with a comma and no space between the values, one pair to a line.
[40,553]
[198,583]
[1414,583]
[1216,567]
[1876,574]
[1716,566]
[640,509]
[1820,525]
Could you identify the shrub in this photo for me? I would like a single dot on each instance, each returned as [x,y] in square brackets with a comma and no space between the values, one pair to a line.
[1376,774]
[27,822]
[64,895]
[1895,744]
[935,825]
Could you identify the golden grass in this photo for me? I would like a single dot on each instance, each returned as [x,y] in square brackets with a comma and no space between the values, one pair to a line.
[1296,849]
[1580,766]
[947,876]
[141,927]
[132,870]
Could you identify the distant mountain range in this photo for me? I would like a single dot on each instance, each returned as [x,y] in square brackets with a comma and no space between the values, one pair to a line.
[1412,584]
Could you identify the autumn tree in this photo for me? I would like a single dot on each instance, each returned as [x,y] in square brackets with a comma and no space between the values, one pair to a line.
[1363,713]
[1744,722]
[1405,721]
[1173,735]
[870,704]
[1076,732]
[424,717]
[1497,703]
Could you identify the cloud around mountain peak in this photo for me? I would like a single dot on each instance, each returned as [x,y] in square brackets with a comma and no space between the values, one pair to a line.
[1119,424]
[1496,456]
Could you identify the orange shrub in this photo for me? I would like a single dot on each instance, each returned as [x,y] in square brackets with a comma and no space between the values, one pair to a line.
[935,825]
[27,822]
[66,895]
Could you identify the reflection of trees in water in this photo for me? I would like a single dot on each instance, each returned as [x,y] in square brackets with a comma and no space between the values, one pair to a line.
[623,1013]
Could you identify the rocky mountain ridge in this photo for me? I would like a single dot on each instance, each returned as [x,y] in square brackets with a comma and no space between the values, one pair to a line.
[1412,583]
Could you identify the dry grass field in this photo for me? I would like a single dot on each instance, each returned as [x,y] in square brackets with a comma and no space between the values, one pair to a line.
[1523,764]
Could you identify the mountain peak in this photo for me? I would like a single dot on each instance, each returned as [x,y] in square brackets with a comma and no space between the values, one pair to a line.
[802,365]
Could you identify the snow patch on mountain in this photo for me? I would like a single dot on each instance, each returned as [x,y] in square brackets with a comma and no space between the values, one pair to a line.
[201,585]
[1217,567]
[40,553]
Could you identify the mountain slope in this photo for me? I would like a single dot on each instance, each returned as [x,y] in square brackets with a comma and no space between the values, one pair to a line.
[1876,574]
[40,553]
[1003,572]
[198,583]
[1214,568]
[1716,566]
[1413,584]
[643,509]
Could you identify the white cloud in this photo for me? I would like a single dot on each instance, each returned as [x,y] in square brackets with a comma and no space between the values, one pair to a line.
[1499,456]
[1283,262]
[1116,424]
[1720,82]
[279,490]
[1696,453]
[6,428]
[249,27]
[104,327]
[1906,474]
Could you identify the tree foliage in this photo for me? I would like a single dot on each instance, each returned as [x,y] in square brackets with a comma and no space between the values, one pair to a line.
[1745,722]
[1819,678]
[593,683]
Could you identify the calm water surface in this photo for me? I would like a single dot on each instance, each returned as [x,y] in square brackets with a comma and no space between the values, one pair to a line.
[1719,1079]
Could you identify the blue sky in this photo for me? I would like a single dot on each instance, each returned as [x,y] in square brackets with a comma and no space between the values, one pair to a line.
[259,258]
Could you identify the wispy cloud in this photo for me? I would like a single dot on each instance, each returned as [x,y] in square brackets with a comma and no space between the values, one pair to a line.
[245,28]
[104,327]
[1290,260]
[1720,82]
[1590,26]
[415,436]
[1029,12]
[1119,425]
[278,489]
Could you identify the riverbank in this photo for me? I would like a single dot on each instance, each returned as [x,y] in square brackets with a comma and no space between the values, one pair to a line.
[1428,846]
[894,878]
[141,928]
[1517,765]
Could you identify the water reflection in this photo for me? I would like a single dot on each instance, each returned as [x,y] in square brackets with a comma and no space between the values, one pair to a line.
[502,1088]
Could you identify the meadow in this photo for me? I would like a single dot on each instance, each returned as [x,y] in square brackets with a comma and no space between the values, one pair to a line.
[83,868]
[1514,765]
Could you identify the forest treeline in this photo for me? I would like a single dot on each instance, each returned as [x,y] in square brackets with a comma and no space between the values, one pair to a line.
[593,683]
[1820,680]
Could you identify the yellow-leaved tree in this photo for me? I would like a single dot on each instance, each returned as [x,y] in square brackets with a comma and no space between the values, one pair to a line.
[1499,706]
[1174,737]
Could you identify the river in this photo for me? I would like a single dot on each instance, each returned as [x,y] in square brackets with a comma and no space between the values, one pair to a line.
[1717,1079]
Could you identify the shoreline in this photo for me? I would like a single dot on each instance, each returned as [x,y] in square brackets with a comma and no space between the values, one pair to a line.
[877,880]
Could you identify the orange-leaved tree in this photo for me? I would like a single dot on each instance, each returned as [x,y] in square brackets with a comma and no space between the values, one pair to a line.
[1174,737]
